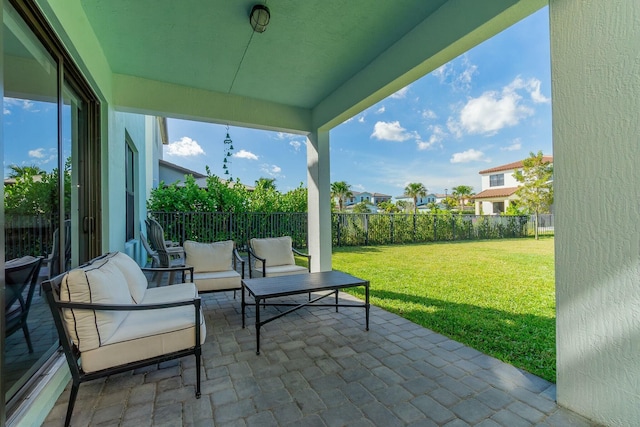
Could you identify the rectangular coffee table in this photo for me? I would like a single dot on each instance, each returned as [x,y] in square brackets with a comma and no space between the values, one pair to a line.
[264,288]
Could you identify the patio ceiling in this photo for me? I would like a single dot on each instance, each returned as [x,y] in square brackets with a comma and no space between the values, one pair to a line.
[317,64]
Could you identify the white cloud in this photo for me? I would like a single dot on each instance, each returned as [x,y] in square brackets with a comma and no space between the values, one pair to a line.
[402,93]
[380,110]
[37,153]
[533,87]
[244,154]
[361,119]
[358,187]
[515,146]
[493,111]
[470,155]
[429,114]
[457,73]
[272,170]
[25,104]
[437,135]
[392,131]
[296,145]
[186,147]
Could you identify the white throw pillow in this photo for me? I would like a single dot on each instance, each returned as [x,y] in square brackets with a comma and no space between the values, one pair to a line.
[276,250]
[102,282]
[136,280]
[205,257]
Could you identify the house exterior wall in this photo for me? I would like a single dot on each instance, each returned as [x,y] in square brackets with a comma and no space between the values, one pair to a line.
[596,98]
[509,180]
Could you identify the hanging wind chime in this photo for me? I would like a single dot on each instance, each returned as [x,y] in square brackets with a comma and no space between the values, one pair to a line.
[226,162]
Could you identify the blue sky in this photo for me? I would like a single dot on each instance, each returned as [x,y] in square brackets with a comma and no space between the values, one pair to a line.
[488,107]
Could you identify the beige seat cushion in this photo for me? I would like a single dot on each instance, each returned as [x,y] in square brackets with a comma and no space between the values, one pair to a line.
[217,280]
[102,282]
[275,250]
[281,270]
[149,333]
[217,256]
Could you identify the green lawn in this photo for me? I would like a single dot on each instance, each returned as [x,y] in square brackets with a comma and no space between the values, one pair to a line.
[497,296]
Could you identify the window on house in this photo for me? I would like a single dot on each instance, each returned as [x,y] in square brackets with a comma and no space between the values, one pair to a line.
[498,207]
[496,180]
[130,191]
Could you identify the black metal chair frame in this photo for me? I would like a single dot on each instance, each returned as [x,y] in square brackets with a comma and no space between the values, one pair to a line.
[17,279]
[72,354]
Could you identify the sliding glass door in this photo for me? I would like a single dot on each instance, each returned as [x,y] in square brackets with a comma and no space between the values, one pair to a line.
[50,194]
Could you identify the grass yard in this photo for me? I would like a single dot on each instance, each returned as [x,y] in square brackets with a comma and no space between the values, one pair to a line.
[497,296]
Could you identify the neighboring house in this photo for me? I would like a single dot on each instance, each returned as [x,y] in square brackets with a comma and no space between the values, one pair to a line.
[170,173]
[369,198]
[423,202]
[499,187]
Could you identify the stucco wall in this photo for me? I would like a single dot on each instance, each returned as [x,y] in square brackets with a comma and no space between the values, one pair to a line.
[596,131]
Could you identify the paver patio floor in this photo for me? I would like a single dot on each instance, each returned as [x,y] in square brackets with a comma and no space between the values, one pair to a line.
[321,368]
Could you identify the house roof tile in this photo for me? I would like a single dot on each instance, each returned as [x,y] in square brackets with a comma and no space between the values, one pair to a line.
[495,192]
[514,165]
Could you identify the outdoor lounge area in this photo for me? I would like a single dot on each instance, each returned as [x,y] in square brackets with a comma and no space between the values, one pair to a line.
[320,368]
[90,85]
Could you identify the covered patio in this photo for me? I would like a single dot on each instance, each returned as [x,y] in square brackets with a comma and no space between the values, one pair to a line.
[321,368]
[317,65]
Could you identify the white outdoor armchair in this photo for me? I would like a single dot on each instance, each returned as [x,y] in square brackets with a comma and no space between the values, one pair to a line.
[275,257]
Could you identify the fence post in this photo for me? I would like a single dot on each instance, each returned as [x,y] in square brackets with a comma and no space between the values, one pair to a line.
[366,229]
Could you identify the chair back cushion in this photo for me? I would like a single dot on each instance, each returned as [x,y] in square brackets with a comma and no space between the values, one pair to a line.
[100,282]
[136,280]
[276,250]
[205,257]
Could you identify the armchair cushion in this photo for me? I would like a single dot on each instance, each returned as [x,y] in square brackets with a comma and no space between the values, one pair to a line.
[136,280]
[276,251]
[207,257]
[149,333]
[101,282]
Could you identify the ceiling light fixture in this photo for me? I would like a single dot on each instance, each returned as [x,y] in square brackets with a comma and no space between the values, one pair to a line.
[259,18]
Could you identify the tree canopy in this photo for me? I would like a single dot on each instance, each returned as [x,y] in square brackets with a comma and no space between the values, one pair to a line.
[223,196]
[536,190]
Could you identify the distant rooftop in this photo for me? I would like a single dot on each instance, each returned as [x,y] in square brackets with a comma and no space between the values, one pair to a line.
[514,165]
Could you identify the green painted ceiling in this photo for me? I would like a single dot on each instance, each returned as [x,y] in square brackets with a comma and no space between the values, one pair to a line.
[309,49]
[328,59]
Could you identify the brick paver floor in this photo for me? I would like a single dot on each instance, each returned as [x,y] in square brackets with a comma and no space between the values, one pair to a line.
[321,368]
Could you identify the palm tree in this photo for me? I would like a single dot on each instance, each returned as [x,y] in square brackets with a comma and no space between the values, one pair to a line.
[415,190]
[266,183]
[19,171]
[340,190]
[462,192]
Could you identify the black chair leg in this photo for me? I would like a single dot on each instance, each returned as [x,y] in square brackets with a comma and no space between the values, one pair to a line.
[198,356]
[27,337]
[72,401]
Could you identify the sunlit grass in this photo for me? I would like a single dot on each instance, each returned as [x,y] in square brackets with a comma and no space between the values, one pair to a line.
[496,296]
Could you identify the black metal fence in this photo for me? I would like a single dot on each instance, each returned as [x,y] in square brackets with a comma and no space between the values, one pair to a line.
[33,235]
[27,235]
[348,229]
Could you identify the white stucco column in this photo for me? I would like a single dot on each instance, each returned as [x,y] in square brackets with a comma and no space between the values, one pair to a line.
[595,57]
[319,200]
